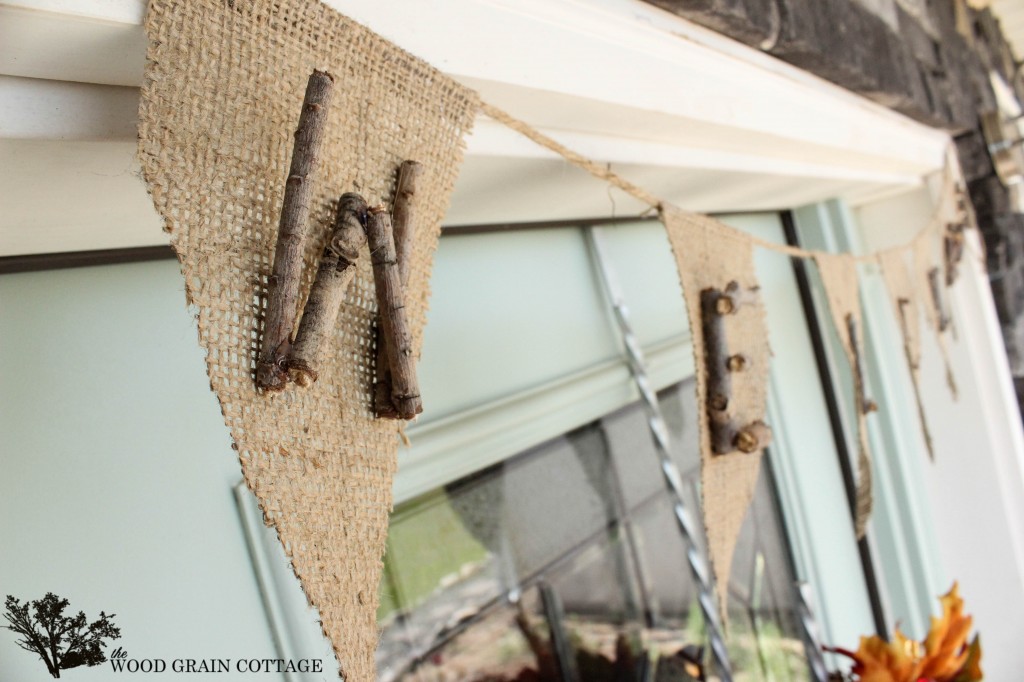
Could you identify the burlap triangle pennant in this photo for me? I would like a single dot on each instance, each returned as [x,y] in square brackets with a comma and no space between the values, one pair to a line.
[842,289]
[223,89]
[904,297]
[713,257]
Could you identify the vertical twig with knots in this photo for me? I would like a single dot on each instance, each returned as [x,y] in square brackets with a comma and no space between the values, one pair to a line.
[726,435]
[336,271]
[405,392]
[283,290]
[404,227]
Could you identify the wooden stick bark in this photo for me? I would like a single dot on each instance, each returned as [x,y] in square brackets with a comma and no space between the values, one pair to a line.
[953,248]
[719,378]
[332,279]
[905,322]
[914,364]
[283,293]
[404,226]
[864,404]
[403,214]
[753,437]
[937,300]
[720,365]
[405,392]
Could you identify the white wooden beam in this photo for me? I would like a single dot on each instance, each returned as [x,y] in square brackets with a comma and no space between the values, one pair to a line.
[31,108]
[700,120]
[71,47]
[114,11]
[73,196]
[614,67]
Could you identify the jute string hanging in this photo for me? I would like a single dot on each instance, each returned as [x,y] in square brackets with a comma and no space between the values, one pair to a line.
[221,98]
[841,283]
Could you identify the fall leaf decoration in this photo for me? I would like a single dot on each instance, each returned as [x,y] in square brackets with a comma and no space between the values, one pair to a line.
[943,656]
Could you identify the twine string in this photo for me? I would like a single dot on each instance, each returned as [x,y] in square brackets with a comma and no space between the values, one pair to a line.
[603,171]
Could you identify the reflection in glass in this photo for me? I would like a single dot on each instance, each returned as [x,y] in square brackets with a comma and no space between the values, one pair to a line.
[565,563]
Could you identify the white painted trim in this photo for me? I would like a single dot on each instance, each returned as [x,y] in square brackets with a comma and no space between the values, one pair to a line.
[980,331]
[493,139]
[32,108]
[627,54]
[614,68]
[450,448]
[692,116]
[113,11]
[35,109]
[70,47]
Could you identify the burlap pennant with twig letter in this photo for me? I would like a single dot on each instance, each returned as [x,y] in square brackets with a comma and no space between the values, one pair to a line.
[711,257]
[223,86]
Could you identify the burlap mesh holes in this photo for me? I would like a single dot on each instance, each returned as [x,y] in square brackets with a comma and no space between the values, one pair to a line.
[710,254]
[220,100]
[222,93]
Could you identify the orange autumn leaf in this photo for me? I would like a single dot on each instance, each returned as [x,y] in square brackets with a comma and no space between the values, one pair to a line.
[879,661]
[943,656]
[971,672]
[946,643]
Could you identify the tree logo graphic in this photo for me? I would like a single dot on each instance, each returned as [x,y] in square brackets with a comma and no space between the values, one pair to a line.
[61,641]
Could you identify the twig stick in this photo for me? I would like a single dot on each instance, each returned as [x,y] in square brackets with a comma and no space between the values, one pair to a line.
[865,405]
[332,279]
[754,437]
[403,217]
[953,248]
[283,294]
[937,300]
[405,392]
[720,365]
[719,379]
[914,364]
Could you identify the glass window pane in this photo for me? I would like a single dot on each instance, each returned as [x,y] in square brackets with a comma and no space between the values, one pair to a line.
[582,531]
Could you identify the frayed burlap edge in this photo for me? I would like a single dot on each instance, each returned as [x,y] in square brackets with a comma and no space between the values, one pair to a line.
[221,96]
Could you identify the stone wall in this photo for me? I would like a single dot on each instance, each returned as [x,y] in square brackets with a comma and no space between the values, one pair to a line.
[927,59]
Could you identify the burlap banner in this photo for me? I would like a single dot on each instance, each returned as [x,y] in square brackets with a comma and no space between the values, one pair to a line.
[222,93]
[842,289]
[221,97]
[710,255]
[904,297]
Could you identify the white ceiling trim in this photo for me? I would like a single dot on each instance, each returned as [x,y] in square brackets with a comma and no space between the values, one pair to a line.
[706,122]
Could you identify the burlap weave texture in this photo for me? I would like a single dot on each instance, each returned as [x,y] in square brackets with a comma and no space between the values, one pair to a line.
[709,254]
[221,98]
[842,290]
